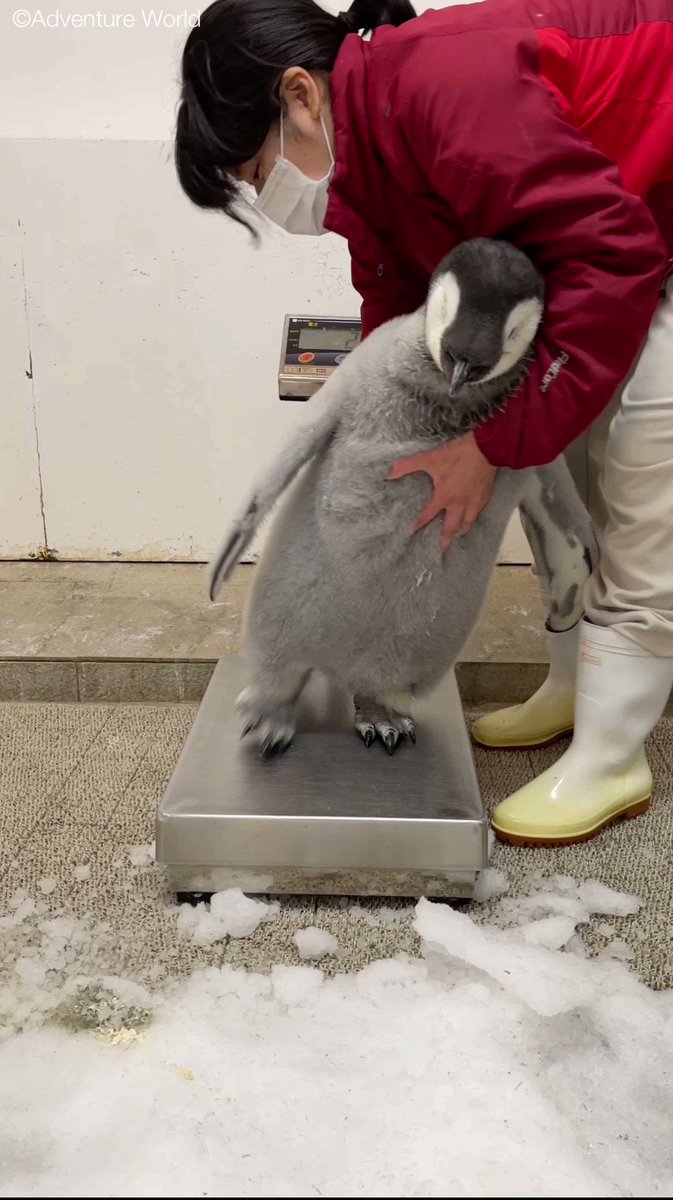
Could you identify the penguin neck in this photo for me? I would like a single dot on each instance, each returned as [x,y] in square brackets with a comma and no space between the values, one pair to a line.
[436,414]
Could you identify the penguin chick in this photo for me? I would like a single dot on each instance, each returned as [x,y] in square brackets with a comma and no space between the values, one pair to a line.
[343,588]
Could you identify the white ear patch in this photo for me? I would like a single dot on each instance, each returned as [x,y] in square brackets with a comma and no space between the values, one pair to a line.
[520,329]
[521,324]
[443,305]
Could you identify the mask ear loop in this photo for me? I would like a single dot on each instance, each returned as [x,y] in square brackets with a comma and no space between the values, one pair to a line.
[329,145]
[324,130]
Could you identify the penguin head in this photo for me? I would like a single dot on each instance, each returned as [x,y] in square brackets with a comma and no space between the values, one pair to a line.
[484,306]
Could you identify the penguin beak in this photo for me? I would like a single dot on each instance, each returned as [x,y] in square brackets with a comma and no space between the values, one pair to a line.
[460,370]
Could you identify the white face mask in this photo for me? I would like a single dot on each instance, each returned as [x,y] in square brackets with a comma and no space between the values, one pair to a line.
[292,200]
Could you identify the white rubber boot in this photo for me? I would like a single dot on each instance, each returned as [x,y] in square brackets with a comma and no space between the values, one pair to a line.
[604,776]
[549,713]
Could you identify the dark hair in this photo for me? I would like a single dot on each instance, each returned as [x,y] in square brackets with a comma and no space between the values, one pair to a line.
[232,65]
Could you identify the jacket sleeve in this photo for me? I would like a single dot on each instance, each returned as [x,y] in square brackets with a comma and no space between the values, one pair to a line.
[486,134]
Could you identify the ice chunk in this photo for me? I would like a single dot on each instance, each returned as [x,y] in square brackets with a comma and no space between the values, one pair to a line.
[142,856]
[230,914]
[490,883]
[314,943]
[552,932]
[198,923]
[560,895]
[81,874]
[242,914]
[47,885]
[547,982]
[541,904]
[601,899]
[576,946]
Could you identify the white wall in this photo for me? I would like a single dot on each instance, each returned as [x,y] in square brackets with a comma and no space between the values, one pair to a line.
[153,328]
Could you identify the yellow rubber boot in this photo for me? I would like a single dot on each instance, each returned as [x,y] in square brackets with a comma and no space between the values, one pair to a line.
[549,713]
[604,776]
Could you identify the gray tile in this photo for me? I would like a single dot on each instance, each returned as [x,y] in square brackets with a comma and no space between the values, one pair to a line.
[196,677]
[128,682]
[502,682]
[27,679]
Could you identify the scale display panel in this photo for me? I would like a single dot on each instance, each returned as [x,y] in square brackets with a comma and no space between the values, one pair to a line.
[312,349]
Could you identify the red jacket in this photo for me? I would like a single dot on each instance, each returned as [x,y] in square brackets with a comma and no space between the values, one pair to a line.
[545,122]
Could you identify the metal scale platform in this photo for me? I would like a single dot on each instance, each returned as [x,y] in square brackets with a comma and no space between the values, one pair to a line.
[329,816]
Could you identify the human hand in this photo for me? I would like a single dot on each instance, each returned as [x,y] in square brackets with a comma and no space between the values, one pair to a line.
[462,485]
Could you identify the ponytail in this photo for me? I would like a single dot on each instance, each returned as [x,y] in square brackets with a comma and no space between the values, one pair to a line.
[364,16]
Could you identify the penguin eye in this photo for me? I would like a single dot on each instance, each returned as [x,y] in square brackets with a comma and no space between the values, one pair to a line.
[512,333]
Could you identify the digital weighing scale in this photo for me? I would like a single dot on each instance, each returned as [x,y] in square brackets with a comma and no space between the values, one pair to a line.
[330,816]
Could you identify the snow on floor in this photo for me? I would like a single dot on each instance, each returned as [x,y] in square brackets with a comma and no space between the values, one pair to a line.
[499,1064]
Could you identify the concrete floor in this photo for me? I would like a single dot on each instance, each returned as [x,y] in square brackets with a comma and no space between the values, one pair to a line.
[125,632]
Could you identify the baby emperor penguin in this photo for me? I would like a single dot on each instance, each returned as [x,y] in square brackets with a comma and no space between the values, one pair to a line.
[343,587]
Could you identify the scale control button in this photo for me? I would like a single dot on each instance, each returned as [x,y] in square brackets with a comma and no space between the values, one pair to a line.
[306,358]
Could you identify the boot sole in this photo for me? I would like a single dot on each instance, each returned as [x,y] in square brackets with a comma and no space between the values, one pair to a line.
[516,839]
[521,746]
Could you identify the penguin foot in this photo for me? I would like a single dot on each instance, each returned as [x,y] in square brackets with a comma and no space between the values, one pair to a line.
[374,720]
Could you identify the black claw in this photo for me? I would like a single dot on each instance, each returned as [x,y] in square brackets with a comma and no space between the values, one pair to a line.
[411,734]
[248,729]
[271,749]
[389,739]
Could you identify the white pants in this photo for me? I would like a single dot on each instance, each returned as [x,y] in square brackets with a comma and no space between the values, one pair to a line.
[623,469]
